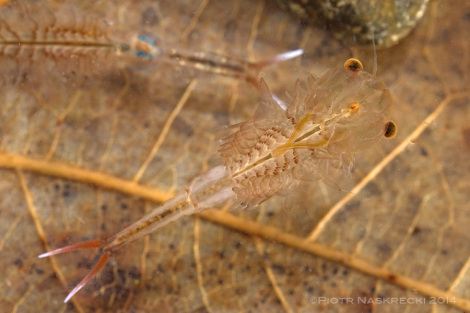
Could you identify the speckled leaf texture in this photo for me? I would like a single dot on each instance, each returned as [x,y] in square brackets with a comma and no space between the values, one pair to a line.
[89,143]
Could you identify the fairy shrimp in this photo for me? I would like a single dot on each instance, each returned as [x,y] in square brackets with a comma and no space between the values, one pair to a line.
[329,119]
[146,49]
[72,39]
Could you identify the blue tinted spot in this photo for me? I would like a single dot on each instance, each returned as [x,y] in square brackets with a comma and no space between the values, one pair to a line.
[148,40]
[144,55]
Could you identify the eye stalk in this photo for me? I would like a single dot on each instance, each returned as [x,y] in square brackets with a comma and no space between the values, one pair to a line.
[391,130]
[353,65]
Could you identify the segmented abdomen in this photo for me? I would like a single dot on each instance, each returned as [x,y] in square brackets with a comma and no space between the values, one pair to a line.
[247,154]
[270,178]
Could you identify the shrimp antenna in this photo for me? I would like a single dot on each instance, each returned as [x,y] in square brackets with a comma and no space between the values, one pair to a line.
[375,54]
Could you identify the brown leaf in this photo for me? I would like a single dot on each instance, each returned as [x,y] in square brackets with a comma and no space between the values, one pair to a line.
[83,154]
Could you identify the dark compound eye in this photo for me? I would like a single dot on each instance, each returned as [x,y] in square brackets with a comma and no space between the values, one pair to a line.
[353,65]
[391,130]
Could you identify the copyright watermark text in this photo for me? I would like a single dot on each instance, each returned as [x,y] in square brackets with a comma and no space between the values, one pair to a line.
[372,300]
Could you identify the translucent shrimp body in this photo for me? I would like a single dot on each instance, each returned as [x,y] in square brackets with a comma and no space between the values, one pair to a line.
[146,50]
[329,119]
[77,41]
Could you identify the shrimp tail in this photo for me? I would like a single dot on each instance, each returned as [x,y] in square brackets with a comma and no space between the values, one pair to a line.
[105,256]
[259,65]
[78,246]
[277,58]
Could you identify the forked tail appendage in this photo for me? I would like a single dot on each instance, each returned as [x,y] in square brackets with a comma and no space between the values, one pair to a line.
[80,246]
[279,58]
